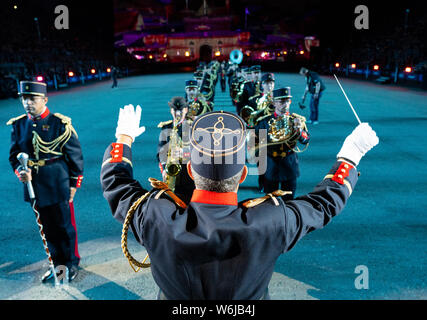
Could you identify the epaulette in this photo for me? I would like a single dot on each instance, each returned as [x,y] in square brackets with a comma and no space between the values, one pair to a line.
[11,121]
[64,119]
[254,202]
[164,123]
[67,121]
[296,115]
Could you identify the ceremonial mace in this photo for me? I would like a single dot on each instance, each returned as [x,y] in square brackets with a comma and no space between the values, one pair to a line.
[23,160]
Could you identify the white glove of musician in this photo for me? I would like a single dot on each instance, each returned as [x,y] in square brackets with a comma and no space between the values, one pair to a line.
[360,141]
[128,123]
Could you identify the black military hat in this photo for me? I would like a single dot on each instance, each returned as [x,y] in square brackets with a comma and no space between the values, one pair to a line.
[217,145]
[198,74]
[178,103]
[282,93]
[267,77]
[255,68]
[191,83]
[33,88]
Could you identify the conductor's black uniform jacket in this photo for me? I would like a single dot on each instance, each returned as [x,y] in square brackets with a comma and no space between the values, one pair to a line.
[218,248]
[50,141]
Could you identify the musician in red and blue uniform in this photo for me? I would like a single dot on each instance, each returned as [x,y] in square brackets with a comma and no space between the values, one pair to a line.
[55,170]
[215,247]
[282,168]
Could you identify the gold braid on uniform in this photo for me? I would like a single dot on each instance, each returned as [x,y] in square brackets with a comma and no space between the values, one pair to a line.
[254,202]
[49,147]
[157,185]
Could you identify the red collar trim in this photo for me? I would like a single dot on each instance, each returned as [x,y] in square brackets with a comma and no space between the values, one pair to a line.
[42,116]
[210,197]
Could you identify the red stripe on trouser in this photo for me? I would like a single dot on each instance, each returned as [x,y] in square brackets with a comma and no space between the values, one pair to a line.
[73,222]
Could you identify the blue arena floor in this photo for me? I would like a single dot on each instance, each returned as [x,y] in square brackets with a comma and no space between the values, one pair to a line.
[383,227]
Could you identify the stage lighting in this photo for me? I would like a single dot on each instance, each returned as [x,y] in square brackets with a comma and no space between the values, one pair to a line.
[285,52]
[71,74]
[108,70]
[150,56]
[337,65]
[218,53]
[40,78]
[187,53]
[15,7]
[408,69]
[353,66]
[301,52]
[92,71]
[165,55]
[376,67]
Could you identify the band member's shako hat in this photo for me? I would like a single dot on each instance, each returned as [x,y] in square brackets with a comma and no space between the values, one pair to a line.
[198,75]
[267,77]
[282,93]
[191,84]
[217,145]
[33,88]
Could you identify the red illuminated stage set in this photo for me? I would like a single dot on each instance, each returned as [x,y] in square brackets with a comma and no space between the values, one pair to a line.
[148,39]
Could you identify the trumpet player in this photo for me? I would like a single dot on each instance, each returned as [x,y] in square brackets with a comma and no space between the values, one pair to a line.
[282,160]
[173,149]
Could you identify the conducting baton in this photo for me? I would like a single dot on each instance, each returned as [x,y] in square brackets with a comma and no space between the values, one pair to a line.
[351,106]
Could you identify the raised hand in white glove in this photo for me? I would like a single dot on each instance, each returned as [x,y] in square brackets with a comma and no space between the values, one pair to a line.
[128,123]
[360,141]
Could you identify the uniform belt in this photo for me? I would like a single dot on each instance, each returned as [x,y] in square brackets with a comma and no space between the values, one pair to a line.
[281,154]
[42,162]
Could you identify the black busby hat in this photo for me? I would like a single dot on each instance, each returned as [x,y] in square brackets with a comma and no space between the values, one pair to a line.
[177,103]
[267,77]
[282,93]
[33,88]
[217,145]
[190,83]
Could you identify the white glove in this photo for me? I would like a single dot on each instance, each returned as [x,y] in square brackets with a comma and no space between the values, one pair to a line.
[128,123]
[360,141]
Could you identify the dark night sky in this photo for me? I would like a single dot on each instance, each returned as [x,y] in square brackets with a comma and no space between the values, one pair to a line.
[331,21]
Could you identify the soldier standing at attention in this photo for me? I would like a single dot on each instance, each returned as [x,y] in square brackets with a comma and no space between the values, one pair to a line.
[282,161]
[55,170]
